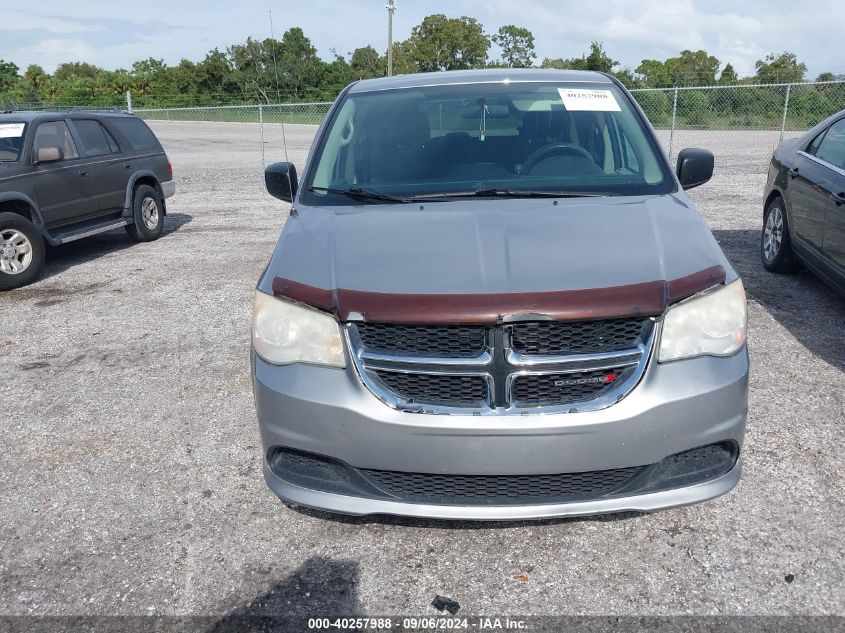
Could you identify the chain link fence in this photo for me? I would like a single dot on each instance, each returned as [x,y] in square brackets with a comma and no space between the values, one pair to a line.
[740,123]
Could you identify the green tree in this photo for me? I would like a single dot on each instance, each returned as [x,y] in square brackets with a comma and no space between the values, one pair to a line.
[728,75]
[298,64]
[628,78]
[692,68]
[441,43]
[782,68]
[654,73]
[366,63]
[517,44]
[35,77]
[80,70]
[404,61]
[8,76]
[597,60]
[249,70]
[557,62]
[336,75]
[214,74]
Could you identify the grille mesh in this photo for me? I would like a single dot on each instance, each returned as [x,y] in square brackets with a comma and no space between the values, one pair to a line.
[571,388]
[436,389]
[491,488]
[578,337]
[431,340]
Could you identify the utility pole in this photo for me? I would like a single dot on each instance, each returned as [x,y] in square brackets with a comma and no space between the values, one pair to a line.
[391,9]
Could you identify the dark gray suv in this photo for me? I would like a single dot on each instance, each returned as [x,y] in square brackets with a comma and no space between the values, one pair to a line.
[69,175]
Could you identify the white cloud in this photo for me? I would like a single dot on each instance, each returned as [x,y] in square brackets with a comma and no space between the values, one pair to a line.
[17,20]
[735,31]
[49,53]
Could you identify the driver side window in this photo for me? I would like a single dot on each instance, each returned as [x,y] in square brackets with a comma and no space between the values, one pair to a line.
[55,134]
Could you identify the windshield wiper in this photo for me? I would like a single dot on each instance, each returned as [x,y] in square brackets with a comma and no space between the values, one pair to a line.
[360,193]
[492,192]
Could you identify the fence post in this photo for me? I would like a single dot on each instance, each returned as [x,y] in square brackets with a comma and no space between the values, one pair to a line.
[785,109]
[129,101]
[674,114]
[261,127]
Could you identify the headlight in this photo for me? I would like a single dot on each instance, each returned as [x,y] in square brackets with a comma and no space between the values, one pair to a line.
[713,324]
[284,332]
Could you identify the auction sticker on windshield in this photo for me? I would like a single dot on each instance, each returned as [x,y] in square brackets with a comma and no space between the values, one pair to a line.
[11,130]
[580,99]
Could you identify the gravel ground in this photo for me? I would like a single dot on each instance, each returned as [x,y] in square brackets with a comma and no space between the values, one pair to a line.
[131,475]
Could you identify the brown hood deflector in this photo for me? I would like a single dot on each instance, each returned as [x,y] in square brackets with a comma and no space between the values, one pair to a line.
[650,298]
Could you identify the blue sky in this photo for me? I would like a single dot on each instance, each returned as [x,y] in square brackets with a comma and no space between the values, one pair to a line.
[114,34]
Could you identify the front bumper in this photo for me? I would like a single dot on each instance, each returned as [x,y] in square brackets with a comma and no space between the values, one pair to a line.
[676,407]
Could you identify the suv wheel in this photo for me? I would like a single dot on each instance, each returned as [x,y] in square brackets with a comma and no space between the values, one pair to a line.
[21,251]
[775,245]
[148,215]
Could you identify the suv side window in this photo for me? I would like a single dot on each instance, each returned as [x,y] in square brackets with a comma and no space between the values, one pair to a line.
[55,134]
[136,132]
[96,140]
[831,149]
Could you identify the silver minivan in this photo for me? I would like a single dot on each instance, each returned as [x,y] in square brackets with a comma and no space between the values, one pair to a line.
[493,299]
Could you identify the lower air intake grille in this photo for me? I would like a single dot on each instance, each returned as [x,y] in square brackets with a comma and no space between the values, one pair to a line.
[450,390]
[317,472]
[500,488]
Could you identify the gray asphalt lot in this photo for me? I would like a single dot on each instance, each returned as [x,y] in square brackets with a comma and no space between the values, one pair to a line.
[131,464]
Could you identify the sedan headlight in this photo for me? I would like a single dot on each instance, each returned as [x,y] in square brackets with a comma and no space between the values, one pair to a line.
[712,324]
[285,332]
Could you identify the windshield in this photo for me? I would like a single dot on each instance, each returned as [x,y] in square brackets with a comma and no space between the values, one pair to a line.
[11,140]
[487,139]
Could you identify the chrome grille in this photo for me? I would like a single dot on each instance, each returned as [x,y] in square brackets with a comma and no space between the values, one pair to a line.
[532,366]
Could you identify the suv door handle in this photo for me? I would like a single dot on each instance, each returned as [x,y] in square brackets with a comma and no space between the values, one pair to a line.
[127,165]
[793,171]
[838,198]
[83,173]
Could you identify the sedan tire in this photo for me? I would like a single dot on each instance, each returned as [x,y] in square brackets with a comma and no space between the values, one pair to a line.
[775,244]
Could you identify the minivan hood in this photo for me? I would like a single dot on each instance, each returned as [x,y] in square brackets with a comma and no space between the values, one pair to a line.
[493,246]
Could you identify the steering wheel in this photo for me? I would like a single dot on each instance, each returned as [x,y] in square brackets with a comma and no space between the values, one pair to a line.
[553,149]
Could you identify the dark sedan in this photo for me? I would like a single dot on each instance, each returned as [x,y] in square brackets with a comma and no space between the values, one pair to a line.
[804,220]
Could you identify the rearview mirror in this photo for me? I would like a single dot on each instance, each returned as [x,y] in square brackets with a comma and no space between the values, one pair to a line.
[48,154]
[695,167]
[281,181]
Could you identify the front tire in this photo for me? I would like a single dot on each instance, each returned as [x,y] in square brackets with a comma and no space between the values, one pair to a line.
[775,243]
[148,214]
[22,251]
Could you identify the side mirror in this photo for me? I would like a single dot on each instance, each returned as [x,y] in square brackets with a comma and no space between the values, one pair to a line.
[695,167]
[281,181]
[48,154]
